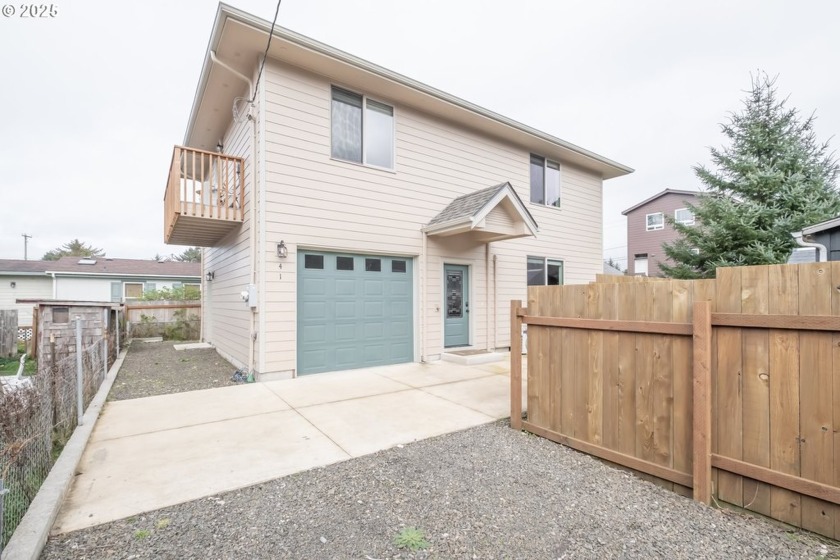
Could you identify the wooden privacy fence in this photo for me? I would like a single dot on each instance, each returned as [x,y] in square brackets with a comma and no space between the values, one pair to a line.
[726,389]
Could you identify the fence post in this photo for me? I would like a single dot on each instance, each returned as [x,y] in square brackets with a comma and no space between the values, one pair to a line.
[3,492]
[516,364]
[105,354]
[80,375]
[117,334]
[702,405]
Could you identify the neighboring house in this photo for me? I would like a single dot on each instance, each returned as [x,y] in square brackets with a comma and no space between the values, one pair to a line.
[392,221]
[23,280]
[83,279]
[612,270]
[822,240]
[647,229]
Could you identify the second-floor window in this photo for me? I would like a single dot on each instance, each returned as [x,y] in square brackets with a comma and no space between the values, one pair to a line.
[545,181]
[684,216]
[362,129]
[544,272]
[655,221]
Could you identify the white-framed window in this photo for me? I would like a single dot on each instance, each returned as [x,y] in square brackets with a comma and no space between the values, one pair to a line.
[640,264]
[684,216]
[132,290]
[545,272]
[655,221]
[545,181]
[362,129]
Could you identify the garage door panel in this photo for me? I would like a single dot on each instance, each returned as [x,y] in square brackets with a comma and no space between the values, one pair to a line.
[353,311]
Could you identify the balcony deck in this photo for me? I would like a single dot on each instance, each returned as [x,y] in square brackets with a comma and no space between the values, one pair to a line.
[205,197]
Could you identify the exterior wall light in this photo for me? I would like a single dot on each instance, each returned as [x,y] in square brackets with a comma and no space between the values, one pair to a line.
[282,250]
[210,276]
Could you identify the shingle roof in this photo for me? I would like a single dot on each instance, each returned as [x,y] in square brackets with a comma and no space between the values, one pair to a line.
[104,265]
[661,194]
[468,205]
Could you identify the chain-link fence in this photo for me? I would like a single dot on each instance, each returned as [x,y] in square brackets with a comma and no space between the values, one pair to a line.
[37,416]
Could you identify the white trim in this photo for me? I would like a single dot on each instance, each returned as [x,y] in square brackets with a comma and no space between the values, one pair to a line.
[654,228]
[364,162]
[470,222]
[822,226]
[684,222]
[120,274]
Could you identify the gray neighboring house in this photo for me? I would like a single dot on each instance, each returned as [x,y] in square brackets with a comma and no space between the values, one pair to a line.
[612,270]
[83,279]
[819,242]
[647,228]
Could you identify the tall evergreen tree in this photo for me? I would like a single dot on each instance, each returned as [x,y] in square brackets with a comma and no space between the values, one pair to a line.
[771,179]
[73,248]
[193,254]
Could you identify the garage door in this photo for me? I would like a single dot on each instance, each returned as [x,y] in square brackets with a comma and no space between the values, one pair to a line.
[353,311]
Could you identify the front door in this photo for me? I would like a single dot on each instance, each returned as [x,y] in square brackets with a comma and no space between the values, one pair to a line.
[456,305]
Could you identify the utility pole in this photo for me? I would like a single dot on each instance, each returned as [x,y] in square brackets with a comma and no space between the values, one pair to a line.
[26,239]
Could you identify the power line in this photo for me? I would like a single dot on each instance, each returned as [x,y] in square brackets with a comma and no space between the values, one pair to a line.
[265,54]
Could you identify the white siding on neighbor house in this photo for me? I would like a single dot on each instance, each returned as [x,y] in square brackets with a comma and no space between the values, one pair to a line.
[81,288]
[315,202]
[226,316]
[26,287]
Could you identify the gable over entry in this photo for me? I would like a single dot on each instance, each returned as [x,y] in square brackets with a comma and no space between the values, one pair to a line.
[491,214]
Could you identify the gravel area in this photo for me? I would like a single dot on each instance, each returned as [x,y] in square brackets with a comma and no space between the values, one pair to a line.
[487,492]
[156,368]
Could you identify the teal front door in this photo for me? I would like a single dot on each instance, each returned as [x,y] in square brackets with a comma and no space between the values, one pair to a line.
[353,311]
[456,305]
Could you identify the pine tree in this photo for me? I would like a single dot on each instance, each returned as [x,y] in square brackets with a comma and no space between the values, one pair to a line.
[73,248]
[772,179]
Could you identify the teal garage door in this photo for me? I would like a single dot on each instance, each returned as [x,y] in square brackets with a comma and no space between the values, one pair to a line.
[353,311]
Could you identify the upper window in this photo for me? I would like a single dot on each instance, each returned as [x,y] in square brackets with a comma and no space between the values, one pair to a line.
[545,181]
[655,221]
[684,216]
[545,272]
[362,129]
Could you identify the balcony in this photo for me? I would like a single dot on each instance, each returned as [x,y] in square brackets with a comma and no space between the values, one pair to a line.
[205,197]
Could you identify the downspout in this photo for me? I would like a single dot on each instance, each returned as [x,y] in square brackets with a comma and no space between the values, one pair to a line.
[262,247]
[487,296]
[203,299]
[422,298]
[252,333]
[495,305]
[55,287]
[822,251]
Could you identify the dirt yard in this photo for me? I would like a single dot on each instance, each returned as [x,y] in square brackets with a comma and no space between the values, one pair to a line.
[156,368]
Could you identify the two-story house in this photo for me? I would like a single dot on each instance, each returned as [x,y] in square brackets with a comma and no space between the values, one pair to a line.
[647,228]
[355,217]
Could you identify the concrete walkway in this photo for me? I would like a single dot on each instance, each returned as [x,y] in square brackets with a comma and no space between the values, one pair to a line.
[154,452]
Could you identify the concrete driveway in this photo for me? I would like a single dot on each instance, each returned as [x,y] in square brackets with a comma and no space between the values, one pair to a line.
[154,452]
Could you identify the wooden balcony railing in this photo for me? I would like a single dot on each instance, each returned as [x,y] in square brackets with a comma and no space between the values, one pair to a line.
[205,197]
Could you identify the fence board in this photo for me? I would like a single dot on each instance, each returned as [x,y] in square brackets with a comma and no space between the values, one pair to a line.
[835,309]
[815,358]
[595,367]
[567,367]
[556,350]
[729,360]
[626,309]
[756,385]
[783,282]
[611,369]
[681,352]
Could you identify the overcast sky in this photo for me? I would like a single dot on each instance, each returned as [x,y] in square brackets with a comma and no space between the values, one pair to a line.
[94,99]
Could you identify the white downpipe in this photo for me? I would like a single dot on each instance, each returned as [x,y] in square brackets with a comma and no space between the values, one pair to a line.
[262,247]
[234,72]
[495,304]
[423,249]
[252,333]
[822,250]
[487,295]
[54,286]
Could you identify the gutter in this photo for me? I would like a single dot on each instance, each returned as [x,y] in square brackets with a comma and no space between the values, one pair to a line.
[822,251]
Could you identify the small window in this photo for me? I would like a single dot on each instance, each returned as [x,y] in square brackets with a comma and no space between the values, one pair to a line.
[684,216]
[315,262]
[61,314]
[545,181]
[655,221]
[545,272]
[362,129]
[373,265]
[133,290]
[397,266]
[344,263]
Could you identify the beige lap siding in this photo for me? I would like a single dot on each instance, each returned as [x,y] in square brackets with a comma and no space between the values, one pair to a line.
[315,202]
